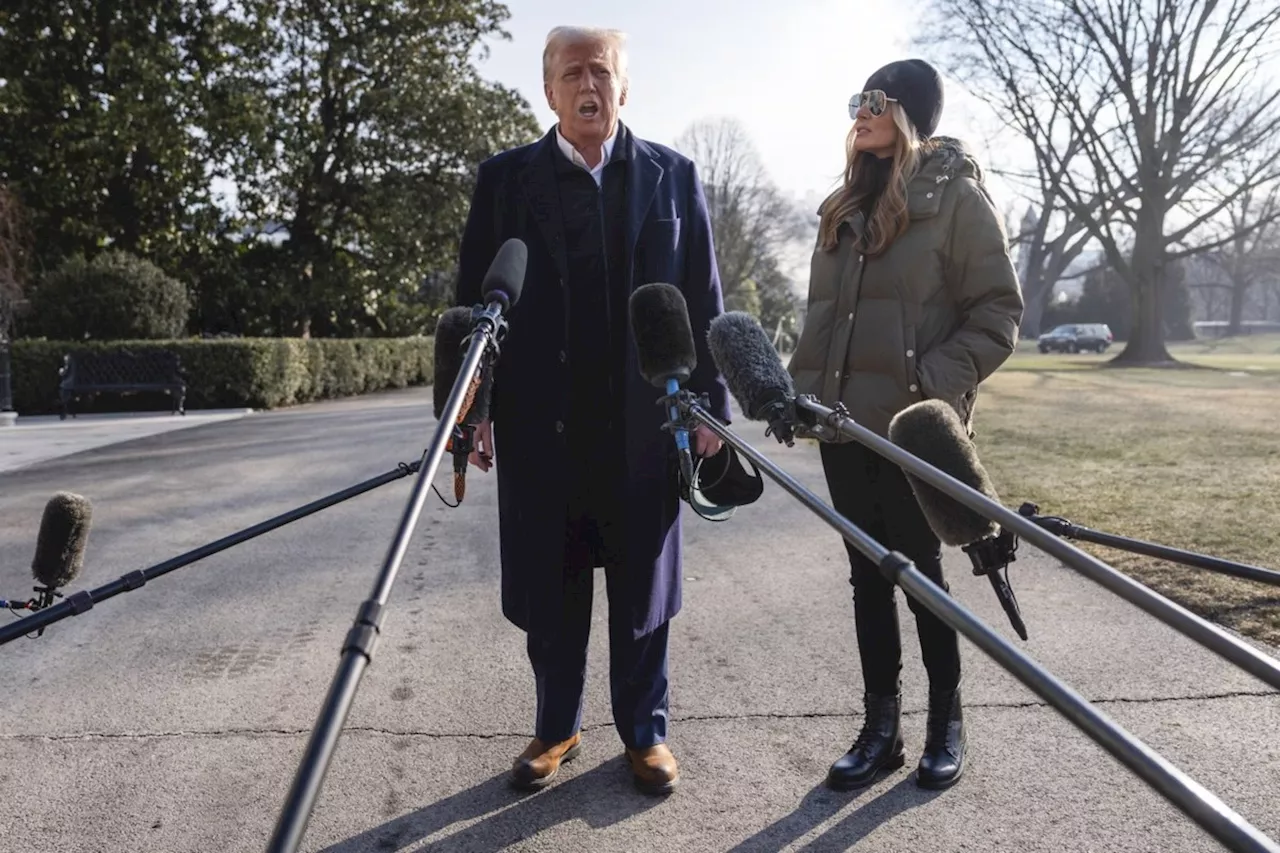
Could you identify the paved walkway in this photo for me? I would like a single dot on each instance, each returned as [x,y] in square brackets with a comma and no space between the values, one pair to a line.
[43,437]
[172,718]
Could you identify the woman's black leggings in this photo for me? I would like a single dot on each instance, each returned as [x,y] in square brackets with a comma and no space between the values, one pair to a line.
[874,494]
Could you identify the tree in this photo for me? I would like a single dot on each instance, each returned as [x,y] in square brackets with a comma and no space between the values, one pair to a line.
[1157,95]
[1050,236]
[114,296]
[14,248]
[1251,247]
[375,120]
[1105,299]
[751,221]
[104,130]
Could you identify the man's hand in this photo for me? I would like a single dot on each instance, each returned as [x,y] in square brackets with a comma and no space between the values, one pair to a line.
[482,446]
[706,442]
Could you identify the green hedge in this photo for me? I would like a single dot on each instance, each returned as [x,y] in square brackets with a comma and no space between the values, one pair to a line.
[261,373]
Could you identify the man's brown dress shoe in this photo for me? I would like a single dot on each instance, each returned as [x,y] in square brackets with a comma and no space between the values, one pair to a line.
[540,762]
[654,769]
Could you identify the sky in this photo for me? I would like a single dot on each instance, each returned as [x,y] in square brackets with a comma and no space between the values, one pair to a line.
[785,70]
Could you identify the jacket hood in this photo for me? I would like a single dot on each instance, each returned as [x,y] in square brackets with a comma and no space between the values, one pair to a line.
[950,159]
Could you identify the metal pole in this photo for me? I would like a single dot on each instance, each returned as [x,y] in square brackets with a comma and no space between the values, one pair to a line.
[1195,801]
[1062,527]
[361,640]
[1206,633]
[77,603]
[6,375]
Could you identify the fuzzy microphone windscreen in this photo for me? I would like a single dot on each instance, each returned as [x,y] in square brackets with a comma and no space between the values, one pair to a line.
[932,431]
[60,544]
[750,365]
[664,338]
[452,329]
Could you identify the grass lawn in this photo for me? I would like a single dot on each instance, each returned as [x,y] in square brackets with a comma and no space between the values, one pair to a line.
[1187,458]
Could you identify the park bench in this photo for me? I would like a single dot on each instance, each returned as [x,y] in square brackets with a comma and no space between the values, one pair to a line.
[121,372]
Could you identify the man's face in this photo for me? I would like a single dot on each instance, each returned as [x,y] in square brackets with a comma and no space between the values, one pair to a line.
[585,92]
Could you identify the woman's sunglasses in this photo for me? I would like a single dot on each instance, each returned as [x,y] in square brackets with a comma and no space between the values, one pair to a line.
[875,101]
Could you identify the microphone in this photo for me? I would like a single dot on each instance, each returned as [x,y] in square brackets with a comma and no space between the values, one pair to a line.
[60,545]
[504,279]
[501,286]
[754,373]
[931,431]
[664,341]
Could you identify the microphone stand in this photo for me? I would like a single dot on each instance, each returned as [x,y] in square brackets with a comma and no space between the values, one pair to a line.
[488,330]
[79,602]
[1205,633]
[1061,527]
[1198,803]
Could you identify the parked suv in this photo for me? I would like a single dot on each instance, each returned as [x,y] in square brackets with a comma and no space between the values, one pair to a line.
[1077,337]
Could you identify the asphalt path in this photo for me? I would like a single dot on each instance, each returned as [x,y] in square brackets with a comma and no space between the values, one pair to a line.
[172,718]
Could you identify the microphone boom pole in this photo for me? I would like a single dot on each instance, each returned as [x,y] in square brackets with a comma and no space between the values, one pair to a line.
[1061,527]
[79,602]
[361,640]
[1193,799]
[1206,633]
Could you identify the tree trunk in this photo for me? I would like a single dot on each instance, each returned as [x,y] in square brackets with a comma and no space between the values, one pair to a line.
[1146,287]
[1036,300]
[1239,292]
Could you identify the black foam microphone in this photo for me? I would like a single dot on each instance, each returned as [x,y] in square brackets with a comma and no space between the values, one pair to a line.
[665,349]
[753,371]
[931,431]
[504,279]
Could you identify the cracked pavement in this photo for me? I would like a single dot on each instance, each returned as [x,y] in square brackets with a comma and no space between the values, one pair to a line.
[172,718]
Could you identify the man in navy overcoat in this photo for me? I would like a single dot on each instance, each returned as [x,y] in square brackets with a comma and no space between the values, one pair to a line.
[586,476]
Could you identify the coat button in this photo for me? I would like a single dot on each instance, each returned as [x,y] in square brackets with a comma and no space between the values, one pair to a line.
[560,424]
[563,357]
[910,353]
[928,195]
[912,387]
[837,374]
[850,316]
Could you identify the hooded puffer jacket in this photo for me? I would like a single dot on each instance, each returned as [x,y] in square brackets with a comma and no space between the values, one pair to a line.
[930,318]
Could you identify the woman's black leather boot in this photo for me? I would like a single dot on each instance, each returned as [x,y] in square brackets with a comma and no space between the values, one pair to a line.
[942,763]
[877,748]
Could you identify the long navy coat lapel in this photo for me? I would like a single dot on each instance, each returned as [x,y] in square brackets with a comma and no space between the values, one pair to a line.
[543,196]
[643,175]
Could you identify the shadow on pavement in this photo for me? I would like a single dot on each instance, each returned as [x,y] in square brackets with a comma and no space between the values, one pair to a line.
[600,797]
[821,804]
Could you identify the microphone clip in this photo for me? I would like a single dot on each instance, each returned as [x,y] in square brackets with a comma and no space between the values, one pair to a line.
[492,316]
[809,425]
[780,414]
[681,403]
[990,555]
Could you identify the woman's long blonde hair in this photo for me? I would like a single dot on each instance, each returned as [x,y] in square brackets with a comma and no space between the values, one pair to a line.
[889,219]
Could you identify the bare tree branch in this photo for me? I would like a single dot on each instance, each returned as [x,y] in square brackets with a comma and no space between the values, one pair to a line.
[1133,108]
[752,222]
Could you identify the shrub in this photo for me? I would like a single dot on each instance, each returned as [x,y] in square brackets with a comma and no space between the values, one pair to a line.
[260,373]
[115,296]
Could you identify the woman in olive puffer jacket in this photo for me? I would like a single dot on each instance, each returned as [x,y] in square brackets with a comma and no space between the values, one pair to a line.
[912,296]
